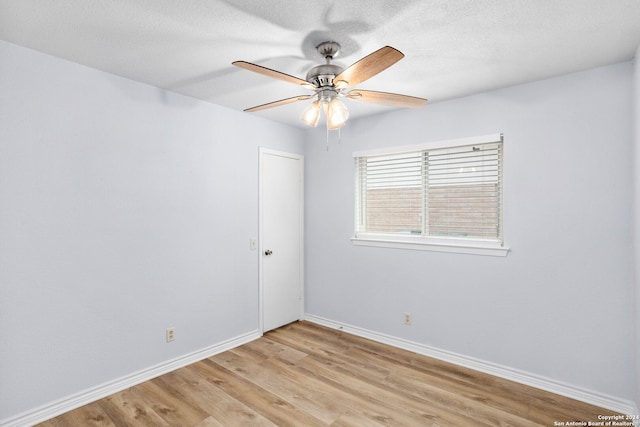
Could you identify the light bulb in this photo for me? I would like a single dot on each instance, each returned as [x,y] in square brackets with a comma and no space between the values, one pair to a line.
[337,114]
[311,114]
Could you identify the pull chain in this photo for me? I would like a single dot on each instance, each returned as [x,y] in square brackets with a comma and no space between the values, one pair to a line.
[339,138]
[327,148]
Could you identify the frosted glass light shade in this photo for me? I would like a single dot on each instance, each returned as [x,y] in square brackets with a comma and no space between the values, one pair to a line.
[337,114]
[311,114]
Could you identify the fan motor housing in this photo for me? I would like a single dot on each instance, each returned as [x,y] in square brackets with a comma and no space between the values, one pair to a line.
[323,75]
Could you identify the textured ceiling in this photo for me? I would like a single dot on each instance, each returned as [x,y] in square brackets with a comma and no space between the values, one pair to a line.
[453,48]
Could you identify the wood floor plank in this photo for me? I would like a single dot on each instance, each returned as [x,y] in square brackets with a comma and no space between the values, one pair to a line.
[428,388]
[221,406]
[304,374]
[271,406]
[343,394]
[265,348]
[385,398]
[169,403]
[127,408]
[90,415]
[212,422]
[282,382]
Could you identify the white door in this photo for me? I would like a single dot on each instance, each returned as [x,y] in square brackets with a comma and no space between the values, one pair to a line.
[281,259]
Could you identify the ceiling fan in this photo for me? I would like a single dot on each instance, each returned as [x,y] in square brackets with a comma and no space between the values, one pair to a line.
[330,82]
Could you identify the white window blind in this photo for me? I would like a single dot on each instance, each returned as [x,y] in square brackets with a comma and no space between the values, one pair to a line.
[453,192]
[391,193]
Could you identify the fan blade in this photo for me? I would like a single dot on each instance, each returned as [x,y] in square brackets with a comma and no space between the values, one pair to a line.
[386,98]
[272,73]
[368,67]
[279,103]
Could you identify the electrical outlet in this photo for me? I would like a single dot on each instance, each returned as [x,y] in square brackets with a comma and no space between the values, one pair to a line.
[407,318]
[171,334]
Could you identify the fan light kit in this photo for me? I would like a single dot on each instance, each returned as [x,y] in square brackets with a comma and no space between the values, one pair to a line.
[330,82]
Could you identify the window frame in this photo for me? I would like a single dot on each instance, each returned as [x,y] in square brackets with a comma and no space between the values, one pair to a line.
[466,245]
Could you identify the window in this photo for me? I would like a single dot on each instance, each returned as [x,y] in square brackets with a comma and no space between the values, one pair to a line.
[445,196]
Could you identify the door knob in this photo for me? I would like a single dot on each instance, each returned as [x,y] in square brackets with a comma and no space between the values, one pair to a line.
[268,252]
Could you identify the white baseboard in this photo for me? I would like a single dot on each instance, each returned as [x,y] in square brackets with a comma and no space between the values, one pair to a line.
[74,401]
[609,402]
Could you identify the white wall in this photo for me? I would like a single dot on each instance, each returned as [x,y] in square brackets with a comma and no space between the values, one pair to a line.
[124,210]
[560,305]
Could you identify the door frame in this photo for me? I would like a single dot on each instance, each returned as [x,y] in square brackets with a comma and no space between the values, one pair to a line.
[261,247]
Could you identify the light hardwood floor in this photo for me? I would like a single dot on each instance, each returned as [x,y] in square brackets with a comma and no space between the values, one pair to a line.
[306,375]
